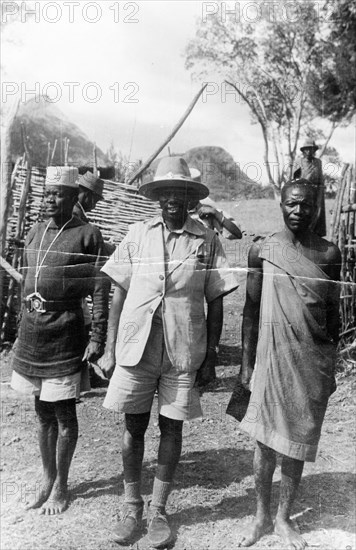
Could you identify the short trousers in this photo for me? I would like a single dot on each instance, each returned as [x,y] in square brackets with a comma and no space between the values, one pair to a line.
[52,389]
[132,389]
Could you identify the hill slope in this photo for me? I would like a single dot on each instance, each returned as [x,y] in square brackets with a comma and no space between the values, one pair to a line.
[44,123]
[221,174]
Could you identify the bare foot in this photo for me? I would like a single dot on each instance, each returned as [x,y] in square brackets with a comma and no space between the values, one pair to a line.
[42,492]
[57,501]
[290,536]
[254,532]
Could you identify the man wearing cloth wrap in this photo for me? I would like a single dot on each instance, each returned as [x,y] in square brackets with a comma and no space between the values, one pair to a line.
[291,317]
[61,267]
[158,336]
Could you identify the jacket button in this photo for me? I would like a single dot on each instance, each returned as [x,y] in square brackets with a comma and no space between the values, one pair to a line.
[150,310]
[161,277]
[161,293]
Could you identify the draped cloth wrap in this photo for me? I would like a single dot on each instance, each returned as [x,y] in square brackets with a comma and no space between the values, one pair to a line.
[294,371]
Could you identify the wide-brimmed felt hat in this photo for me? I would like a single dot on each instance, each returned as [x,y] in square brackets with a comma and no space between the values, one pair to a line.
[66,176]
[309,143]
[95,184]
[174,172]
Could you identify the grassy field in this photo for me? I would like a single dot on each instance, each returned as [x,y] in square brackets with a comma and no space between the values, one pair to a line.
[261,216]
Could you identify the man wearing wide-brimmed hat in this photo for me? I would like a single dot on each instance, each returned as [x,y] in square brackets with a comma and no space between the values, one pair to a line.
[62,260]
[309,167]
[165,270]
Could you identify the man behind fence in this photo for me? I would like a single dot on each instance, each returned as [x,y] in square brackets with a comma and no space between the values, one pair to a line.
[291,317]
[164,271]
[61,267]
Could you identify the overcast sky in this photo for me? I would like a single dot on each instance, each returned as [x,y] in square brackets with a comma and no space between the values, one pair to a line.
[133,52]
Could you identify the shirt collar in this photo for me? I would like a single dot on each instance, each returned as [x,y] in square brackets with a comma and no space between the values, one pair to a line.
[190,226]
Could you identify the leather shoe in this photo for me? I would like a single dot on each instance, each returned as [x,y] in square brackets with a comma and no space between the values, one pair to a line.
[159,531]
[129,524]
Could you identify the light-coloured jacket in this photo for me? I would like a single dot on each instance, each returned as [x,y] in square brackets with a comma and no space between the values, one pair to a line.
[197,272]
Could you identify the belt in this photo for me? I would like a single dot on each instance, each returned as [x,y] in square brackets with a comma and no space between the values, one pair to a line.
[37,303]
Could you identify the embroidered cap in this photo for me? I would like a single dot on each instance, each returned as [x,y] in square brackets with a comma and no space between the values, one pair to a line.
[67,176]
[174,172]
[96,185]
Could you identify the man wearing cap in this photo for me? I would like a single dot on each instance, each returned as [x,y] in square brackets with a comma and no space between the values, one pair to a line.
[164,271]
[90,193]
[61,267]
[309,167]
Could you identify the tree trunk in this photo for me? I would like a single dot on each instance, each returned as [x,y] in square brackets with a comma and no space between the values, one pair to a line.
[332,129]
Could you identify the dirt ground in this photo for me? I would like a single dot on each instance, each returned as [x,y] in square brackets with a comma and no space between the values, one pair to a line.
[213,495]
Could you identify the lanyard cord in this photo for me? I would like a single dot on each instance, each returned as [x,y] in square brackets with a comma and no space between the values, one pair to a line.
[40,264]
[82,209]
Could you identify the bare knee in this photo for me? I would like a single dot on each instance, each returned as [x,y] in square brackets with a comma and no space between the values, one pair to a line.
[67,417]
[46,413]
[292,467]
[170,427]
[266,453]
[136,425]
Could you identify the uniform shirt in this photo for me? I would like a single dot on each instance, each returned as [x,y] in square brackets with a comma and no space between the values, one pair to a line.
[176,271]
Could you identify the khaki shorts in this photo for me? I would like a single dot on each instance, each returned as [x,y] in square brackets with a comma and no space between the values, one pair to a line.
[132,389]
[51,389]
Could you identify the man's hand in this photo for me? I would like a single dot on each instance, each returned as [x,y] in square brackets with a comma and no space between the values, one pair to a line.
[107,364]
[206,373]
[93,351]
[205,211]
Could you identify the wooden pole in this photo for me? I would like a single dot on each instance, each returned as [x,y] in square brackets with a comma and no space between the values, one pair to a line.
[95,161]
[66,150]
[53,152]
[48,153]
[10,270]
[179,124]
[338,204]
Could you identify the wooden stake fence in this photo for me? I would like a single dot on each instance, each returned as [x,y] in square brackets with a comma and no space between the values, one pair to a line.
[342,233]
[122,206]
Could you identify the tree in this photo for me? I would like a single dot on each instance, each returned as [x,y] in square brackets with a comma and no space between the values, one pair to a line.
[332,166]
[269,64]
[333,80]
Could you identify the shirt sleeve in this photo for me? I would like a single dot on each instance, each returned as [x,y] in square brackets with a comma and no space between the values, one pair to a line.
[119,265]
[224,232]
[221,278]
